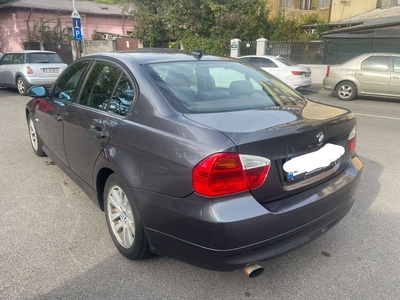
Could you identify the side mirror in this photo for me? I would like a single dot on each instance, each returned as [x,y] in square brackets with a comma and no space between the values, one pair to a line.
[37,91]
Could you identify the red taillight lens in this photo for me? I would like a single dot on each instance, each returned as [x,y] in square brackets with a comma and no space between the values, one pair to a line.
[351,141]
[29,70]
[328,70]
[298,72]
[228,173]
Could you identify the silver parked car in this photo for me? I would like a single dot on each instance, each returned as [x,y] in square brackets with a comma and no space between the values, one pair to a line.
[370,74]
[23,69]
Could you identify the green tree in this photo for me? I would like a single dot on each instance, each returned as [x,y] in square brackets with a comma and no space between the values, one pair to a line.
[161,21]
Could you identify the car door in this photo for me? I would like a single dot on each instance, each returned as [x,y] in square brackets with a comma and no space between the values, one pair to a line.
[51,111]
[374,75]
[6,76]
[394,86]
[104,100]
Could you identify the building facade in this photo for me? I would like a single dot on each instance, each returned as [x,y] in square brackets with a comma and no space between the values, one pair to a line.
[17,20]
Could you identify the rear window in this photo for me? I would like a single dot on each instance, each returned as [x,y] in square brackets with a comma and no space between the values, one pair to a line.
[43,58]
[286,62]
[204,86]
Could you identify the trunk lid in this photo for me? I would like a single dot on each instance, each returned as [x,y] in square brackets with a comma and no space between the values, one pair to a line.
[282,133]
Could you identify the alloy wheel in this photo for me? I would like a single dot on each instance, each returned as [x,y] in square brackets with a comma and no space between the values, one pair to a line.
[120,216]
[33,135]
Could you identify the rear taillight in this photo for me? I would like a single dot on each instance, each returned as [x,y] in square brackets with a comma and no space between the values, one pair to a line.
[29,70]
[351,141]
[328,70]
[227,173]
[298,72]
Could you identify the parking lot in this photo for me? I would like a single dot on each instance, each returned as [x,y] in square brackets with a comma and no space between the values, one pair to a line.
[54,242]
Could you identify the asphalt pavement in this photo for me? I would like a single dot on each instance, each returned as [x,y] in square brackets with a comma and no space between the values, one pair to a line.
[54,242]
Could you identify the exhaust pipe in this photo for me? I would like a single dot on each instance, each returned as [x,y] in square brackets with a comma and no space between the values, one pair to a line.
[252,271]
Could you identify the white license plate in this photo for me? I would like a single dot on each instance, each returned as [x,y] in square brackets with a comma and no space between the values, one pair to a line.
[315,161]
[51,70]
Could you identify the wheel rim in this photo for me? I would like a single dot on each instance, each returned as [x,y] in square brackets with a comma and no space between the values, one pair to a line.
[120,216]
[345,91]
[33,135]
[20,86]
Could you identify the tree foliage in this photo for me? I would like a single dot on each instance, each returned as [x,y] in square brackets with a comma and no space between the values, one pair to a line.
[284,29]
[43,32]
[161,21]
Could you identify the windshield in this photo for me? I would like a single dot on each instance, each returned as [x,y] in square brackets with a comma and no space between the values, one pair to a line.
[216,86]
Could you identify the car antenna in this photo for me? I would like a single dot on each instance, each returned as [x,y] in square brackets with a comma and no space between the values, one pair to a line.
[198,54]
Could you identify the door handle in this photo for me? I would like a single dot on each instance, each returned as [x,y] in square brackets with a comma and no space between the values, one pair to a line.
[58,117]
[395,77]
[359,74]
[99,132]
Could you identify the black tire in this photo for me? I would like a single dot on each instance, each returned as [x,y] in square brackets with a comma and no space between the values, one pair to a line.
[36,141]
[22,87]
[123,220]
[346,91]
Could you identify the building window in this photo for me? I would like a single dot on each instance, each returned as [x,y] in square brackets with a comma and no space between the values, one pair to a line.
[305,4]
[286,3]
[323,3]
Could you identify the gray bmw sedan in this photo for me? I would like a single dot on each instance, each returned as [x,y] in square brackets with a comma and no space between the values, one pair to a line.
[208,160]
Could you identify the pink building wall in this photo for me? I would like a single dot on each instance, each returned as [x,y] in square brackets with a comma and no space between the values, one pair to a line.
[13,25]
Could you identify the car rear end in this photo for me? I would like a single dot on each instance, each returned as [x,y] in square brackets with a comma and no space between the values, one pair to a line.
[295,75]
[275,174]
[43,68]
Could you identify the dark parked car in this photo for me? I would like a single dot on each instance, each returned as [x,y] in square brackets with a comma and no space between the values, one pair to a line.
[203,159]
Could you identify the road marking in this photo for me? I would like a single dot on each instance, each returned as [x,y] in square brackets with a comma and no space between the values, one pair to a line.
[376,116]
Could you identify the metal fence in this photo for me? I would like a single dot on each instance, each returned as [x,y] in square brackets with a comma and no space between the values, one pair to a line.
[248,48]
[331,51]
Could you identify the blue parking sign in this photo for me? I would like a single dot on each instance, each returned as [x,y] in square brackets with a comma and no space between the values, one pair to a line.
[78,34]
[76,23]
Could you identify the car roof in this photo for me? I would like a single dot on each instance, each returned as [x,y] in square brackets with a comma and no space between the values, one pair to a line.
[29,51]
[146,56]
[265,56]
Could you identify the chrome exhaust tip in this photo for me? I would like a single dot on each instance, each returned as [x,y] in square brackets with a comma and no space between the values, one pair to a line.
[252,271]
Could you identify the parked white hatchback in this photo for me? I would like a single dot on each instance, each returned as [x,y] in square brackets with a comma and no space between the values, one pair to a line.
[286,70]
[23,69]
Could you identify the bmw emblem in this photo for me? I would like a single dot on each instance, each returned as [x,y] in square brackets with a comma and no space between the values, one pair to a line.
[320,138]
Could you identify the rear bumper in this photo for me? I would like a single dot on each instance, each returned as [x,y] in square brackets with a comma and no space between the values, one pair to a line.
[232,232]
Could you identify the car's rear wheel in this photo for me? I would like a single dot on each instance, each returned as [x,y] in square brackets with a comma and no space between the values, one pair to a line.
[22,86]
[36,141]
[123,220]
[346,91]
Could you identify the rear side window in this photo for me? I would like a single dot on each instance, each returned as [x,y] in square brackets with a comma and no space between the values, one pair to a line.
[107,88]
[396,64]
[19,58]
[216,86]
[375,63]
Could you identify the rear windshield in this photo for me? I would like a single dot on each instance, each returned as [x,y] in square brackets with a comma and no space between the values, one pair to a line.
[43,58]
[216,86]
[286,61]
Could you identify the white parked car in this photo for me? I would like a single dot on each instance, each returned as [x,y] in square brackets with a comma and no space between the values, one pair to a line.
[289,72]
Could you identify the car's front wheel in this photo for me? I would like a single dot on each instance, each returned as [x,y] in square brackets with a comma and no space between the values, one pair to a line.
[36,141]
[22,86]
[346,91]
[123,220]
